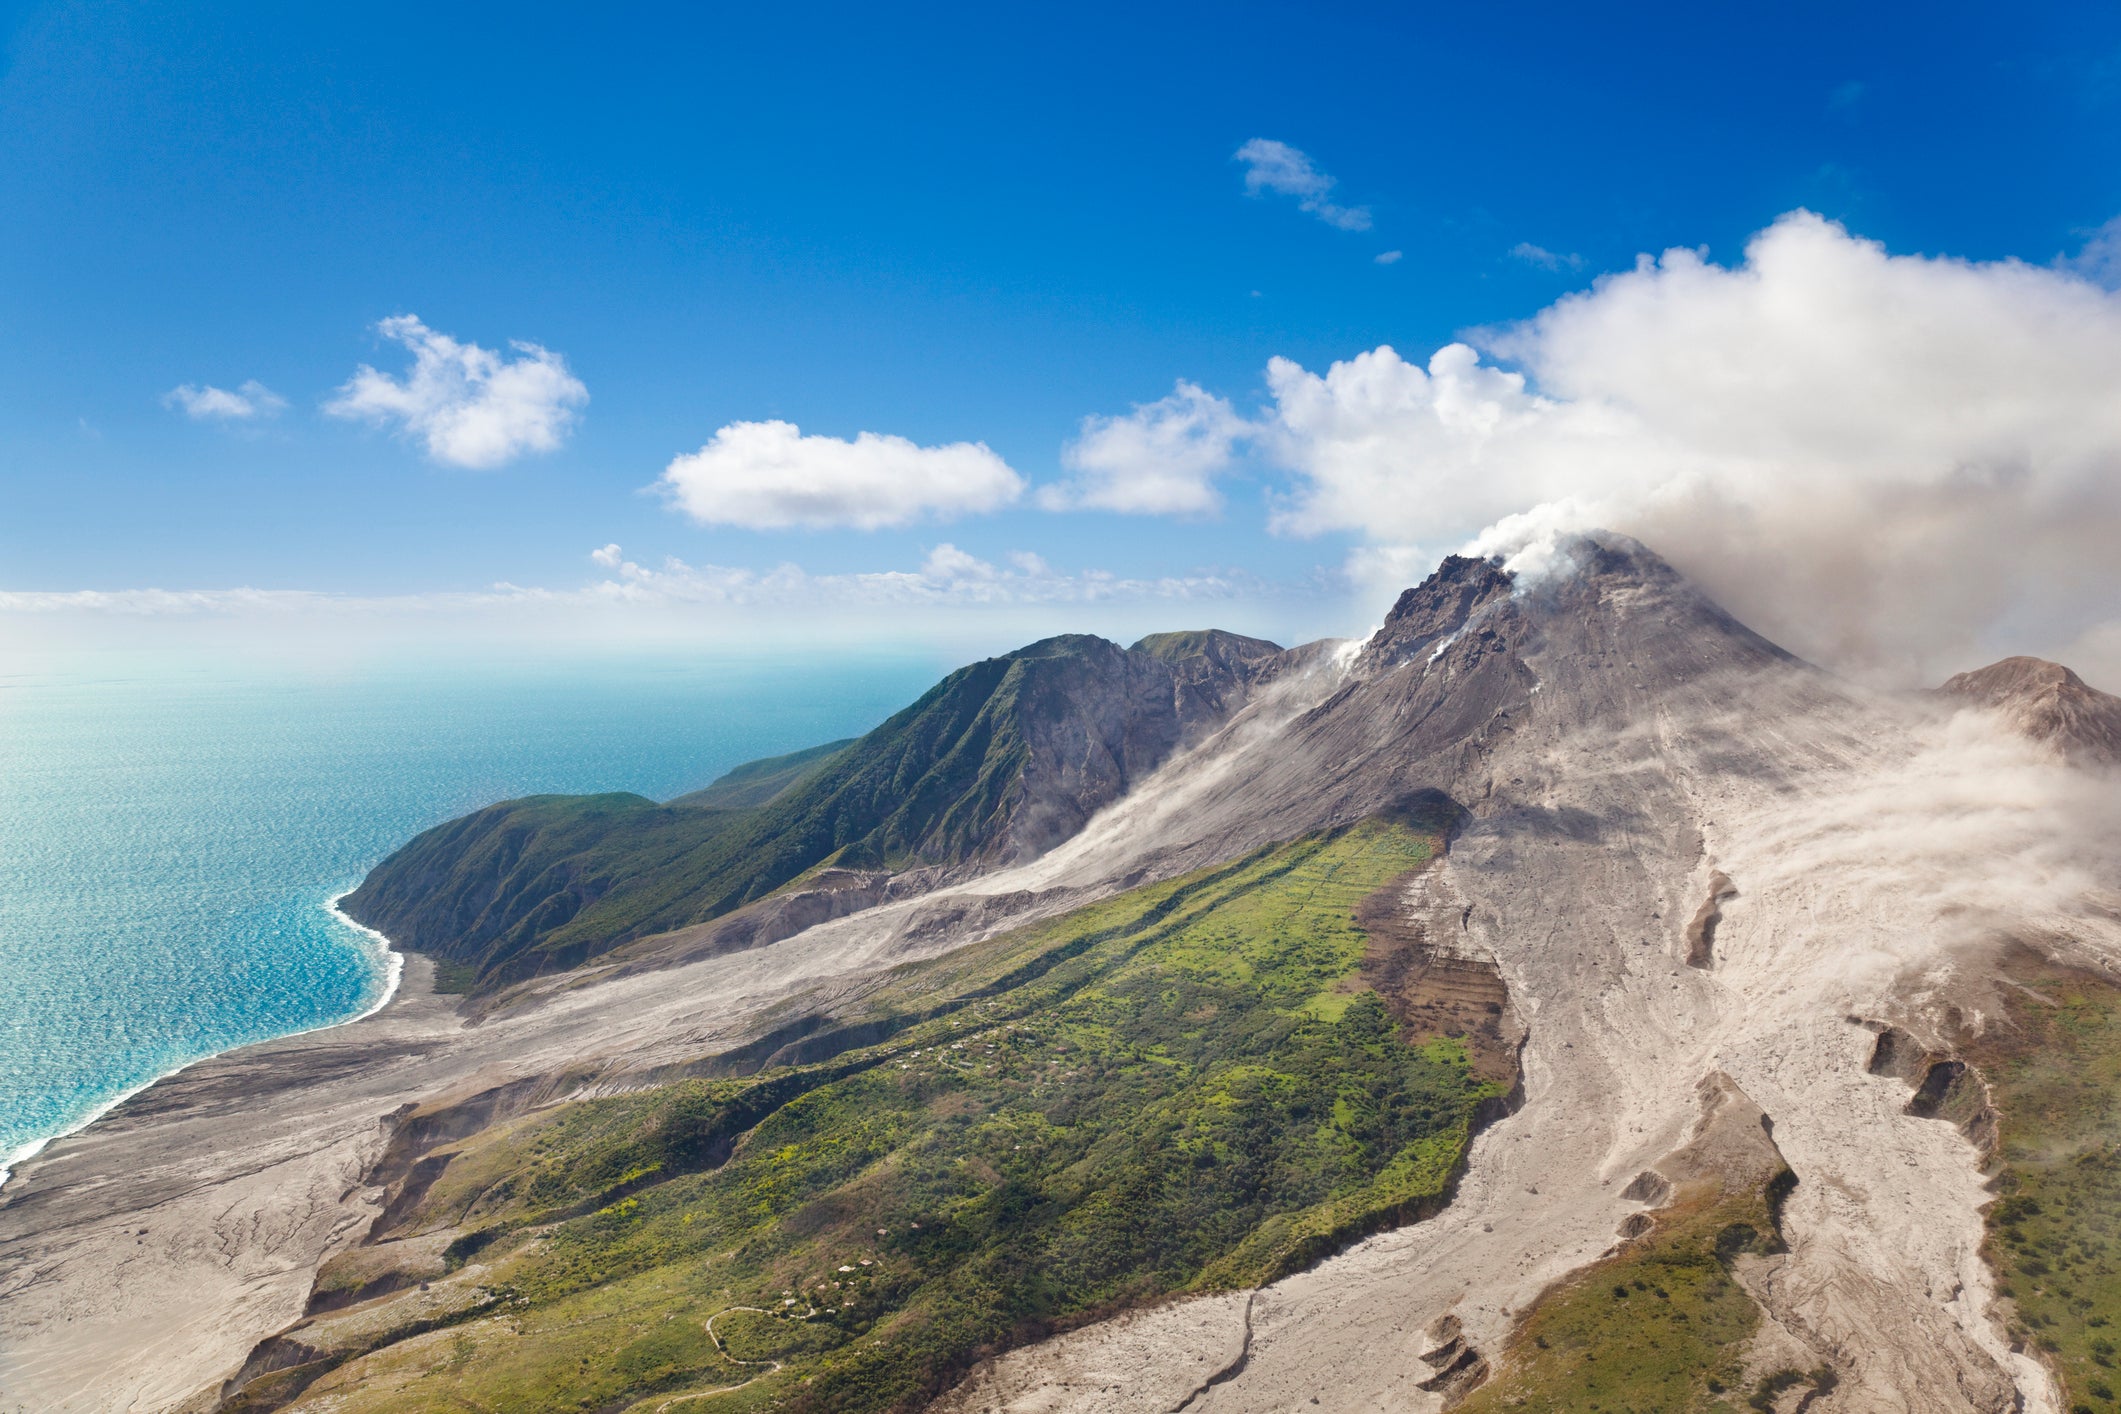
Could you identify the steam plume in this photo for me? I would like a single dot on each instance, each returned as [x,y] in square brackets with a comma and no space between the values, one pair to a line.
[1889,463]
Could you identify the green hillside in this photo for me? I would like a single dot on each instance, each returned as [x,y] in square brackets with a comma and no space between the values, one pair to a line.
[1001,759]
[758,782]
[2053,1075]
[1187,1087]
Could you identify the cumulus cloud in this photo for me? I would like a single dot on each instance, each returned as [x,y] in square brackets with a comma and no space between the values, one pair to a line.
[1543,258]
[1276,167]
[251,401]
[470,406]
[1876,459]
[769,476]
[1160,459]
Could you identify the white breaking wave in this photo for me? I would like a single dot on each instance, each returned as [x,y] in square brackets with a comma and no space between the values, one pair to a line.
[389,960]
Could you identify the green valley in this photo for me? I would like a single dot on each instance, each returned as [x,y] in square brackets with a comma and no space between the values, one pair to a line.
[1187,1087]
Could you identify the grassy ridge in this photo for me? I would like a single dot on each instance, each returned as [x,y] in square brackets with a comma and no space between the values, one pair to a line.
[2054,1077]
[758,782]
[1183,1088]
[1659,1328]
[543,884]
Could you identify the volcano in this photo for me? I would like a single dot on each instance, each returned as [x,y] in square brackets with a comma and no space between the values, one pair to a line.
[1567,998]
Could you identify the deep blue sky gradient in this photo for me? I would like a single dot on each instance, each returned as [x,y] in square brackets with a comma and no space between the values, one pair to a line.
[947,223]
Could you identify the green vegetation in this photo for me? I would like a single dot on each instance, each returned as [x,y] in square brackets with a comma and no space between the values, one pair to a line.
[1204,645]
[1183,1088]
[1658,1328]
[758,782]
[546,883]
[454,979]
[2054,1078]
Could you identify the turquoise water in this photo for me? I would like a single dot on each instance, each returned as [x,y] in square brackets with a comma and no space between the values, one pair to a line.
[170,837]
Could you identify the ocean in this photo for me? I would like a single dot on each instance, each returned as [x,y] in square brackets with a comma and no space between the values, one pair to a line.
[172,835]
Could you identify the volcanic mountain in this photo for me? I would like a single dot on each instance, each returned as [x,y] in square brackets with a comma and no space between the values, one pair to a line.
[1562,999]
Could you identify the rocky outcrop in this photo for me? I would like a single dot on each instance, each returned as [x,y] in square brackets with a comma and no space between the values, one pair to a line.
[1701,930]
[1427,617]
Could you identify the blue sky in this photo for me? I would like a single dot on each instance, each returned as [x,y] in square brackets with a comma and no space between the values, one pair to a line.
[970,225]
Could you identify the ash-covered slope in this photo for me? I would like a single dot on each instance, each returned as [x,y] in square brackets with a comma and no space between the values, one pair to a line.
[2048,703]
[992,766]
[1447,681]
[1693,859]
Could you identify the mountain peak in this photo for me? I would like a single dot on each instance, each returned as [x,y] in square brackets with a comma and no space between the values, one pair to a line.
[1435,610]
[2008,679]
[2047,702]
[1466,588]
[1215,644]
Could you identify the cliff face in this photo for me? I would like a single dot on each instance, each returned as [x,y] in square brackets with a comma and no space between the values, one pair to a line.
[994,765]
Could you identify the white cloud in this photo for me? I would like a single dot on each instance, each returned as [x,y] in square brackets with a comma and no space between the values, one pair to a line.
[1390,257]
[470,406]
[1543,258]
[1160,459]
[1876,459]
[609,556]
[1276,167]
[769,476]
[946,564]
[251,401]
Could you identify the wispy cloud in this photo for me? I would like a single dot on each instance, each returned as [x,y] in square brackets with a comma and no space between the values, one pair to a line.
[1846,95]
[1276,167]
[1160,459]
[1545,259]
[470,406]
[1390,257]
[946,576]
[769,476]
[251,401]
[2100,258]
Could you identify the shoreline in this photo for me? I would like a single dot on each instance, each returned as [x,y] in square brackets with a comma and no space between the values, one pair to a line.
[391,961]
